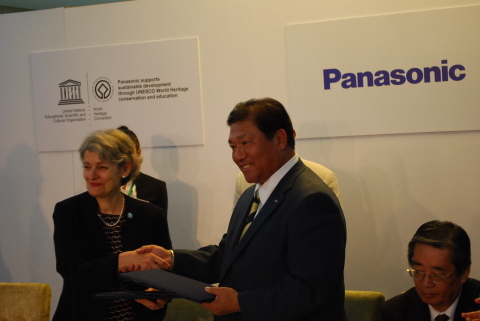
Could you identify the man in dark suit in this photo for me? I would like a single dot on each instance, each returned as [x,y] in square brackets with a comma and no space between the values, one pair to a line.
[439,259]
[145,187]
[288,263]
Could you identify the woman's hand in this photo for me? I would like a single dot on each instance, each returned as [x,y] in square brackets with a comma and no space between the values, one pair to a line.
[153,305]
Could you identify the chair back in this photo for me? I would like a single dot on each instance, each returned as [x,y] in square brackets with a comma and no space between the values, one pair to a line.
[363,305]
[25,301]
[359,306]
[185,310]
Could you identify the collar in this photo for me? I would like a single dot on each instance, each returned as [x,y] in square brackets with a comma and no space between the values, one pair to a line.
[130,189]
[266,189]
[450,311]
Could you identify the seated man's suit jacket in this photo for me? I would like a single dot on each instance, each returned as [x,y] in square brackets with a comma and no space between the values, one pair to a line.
[152,190]
[289,264]
[409,306]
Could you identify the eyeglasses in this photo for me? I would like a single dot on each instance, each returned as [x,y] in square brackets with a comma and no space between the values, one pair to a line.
[437,279]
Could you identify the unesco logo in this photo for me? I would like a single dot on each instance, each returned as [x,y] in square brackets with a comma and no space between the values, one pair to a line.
[103,89]
[70,92]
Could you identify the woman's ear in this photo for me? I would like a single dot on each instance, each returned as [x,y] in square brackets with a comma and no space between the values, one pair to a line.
[127,168]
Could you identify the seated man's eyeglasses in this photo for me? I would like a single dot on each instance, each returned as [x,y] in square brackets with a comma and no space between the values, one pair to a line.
[437,279]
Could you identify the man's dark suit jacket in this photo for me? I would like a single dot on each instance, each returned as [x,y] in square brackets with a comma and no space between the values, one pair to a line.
[409,305]
[152,190]
[289,264]
[84,259]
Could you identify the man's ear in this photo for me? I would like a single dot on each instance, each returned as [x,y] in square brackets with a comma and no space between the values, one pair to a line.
[465,275]
[281,137]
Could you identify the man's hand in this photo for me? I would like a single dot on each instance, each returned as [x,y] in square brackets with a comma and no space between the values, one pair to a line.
[226,301]
[472,316]
[133,261]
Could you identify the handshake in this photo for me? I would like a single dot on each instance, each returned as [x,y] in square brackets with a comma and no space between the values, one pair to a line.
[156,257]
[146,258]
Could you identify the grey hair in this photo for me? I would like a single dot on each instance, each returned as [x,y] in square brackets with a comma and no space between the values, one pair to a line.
[115,146]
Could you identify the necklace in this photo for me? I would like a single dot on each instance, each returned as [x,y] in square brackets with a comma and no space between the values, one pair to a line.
[119,216]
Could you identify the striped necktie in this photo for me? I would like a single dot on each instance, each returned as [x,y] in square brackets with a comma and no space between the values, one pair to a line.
[251,214]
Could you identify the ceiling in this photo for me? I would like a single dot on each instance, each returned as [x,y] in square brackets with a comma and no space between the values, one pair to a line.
[50,4]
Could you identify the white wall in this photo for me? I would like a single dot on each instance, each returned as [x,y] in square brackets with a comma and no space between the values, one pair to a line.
[389,184]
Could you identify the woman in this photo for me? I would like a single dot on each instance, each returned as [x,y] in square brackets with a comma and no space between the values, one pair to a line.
[97,232]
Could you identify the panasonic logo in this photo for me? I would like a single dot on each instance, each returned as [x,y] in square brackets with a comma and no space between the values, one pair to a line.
[395,77]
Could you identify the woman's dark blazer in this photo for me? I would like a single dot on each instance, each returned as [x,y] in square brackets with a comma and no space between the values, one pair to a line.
[83,258]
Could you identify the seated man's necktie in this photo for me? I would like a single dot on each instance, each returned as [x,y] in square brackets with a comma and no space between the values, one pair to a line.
[442,317]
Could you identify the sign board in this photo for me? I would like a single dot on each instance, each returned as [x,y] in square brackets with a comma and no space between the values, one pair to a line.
[152,87]
[398,73]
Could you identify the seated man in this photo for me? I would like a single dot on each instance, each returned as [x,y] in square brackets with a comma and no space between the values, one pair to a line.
[439,259]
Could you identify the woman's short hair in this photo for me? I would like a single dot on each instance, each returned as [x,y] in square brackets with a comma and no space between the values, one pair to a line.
[114,146]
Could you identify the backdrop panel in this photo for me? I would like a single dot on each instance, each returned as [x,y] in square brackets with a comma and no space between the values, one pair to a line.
[151,87]
[398,73]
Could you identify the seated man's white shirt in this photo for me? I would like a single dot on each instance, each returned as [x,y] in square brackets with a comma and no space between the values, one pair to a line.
[450,311]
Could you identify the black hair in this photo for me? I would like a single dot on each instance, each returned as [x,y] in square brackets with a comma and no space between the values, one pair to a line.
[268,114]
[444,235]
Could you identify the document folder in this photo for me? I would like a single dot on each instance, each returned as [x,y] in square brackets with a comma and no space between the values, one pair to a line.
[170,283]
[133,295]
